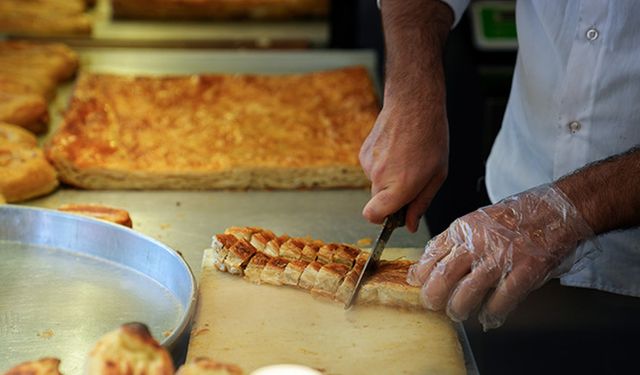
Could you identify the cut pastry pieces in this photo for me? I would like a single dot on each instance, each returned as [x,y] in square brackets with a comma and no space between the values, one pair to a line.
[44,17]
[216,131]
[220,9]
[331,272]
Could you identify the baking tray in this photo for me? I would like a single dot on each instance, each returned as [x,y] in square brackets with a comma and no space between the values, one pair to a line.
[67,280]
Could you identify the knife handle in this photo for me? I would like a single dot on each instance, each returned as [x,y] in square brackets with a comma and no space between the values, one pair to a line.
[397,219]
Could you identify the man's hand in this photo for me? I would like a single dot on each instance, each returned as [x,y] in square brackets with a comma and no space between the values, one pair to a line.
[406,154]
[495,256]
[405,157]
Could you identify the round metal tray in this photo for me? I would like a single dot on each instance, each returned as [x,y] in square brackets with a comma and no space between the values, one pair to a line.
[65,280]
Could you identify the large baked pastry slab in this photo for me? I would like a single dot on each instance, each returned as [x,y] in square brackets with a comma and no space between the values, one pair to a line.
[216,131]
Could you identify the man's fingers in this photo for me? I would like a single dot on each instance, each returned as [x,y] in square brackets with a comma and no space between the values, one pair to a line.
[472,289]
[380,206]
[384,202]
[445,277]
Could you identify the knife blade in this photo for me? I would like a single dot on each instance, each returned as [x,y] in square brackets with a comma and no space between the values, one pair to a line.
[391,222]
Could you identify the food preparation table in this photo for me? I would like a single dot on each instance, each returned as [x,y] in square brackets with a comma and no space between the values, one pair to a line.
[186,220]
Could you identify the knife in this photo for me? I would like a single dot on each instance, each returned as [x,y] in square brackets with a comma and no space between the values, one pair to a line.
[391,222]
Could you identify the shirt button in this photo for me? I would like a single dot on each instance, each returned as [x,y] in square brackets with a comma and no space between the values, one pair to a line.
[574,126]
[592,34]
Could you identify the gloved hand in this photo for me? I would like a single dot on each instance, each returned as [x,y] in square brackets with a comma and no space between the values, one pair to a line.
[498,254]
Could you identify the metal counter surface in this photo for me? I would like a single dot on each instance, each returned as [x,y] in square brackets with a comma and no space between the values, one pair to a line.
[186,220]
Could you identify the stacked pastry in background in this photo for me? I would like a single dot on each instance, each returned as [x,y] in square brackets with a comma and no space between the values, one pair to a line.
[220,9]
[24,171]
[29,76]
[45,17]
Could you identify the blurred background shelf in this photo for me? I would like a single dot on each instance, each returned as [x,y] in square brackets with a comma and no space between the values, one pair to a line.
[114,32]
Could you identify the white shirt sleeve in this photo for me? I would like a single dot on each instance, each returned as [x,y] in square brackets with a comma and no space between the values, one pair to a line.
[458,7]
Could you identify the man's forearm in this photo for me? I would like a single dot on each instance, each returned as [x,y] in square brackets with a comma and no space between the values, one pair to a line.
[415,33]
[607,193]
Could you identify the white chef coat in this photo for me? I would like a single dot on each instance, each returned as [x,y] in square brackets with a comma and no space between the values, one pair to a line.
[575,99]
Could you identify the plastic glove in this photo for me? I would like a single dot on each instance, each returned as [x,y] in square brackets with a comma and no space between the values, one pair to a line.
[498,254]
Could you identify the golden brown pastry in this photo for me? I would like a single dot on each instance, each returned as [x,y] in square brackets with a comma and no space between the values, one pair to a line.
[44,17]
[310,252]
[99,211]
[329,279]
[24,172]
[293,271]
[273,272]
[220,246]
[216,131]
[43,366]
[129,350]
[29,74]
[206,366]
[292,249]
[254,268]
[27,110]
[308,276]
[53,61]
[334,277]
[16,135]
[238,256]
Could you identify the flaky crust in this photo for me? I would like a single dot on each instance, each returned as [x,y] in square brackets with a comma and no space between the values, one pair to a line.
[44,17]
[27,110]
[129,350]
[29,73]
[216,131]
[17,135]
[43,366]
[24,171]
[100,212]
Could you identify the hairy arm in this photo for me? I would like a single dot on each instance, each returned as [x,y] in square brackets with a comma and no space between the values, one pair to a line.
[607,192]
[405,155]
[498,254]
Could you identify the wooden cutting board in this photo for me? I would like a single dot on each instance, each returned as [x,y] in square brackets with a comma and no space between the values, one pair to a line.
[258,325]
